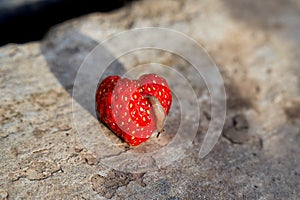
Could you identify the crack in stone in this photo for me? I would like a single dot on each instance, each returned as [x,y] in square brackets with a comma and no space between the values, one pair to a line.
[38,170]
[114,155]
[108,185]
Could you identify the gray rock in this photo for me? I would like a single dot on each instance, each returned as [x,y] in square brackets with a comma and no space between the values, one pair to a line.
[236,129]
[44,157]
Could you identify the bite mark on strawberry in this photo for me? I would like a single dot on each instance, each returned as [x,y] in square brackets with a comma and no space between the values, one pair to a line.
[133,109]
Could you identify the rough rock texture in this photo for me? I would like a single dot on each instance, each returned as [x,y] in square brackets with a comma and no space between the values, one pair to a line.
[254,43]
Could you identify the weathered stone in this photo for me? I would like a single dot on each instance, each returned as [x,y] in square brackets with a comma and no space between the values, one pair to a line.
[108,185]
[236,129]
[3,195]
[42,156]
[38,170]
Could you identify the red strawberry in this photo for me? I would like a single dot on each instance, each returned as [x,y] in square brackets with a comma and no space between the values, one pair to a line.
[133,109]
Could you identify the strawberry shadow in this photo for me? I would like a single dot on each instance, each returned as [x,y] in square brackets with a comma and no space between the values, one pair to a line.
[64,52]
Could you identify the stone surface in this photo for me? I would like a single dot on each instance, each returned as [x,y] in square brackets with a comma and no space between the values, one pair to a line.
[108,185]
[255,45]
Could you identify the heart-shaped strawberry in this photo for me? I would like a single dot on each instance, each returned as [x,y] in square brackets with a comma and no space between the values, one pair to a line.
[133,109]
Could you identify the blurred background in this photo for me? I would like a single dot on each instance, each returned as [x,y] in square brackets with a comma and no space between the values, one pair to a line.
[28,20]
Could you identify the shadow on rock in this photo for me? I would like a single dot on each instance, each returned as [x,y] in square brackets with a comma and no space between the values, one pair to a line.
[77,59]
